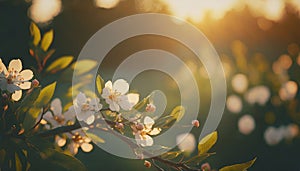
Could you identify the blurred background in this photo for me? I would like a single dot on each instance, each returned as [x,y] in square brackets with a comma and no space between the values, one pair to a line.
[257,41]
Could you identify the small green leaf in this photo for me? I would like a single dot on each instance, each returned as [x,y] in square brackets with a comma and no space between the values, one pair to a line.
[171,155]
[207,142]
[198,158]
[35,33]
[47,40]
[18,163]
[99,84]
[42,100]
[141,103]
[45,96]
[59,64]
[178,113]
[95,138]
[83,66]
[239,167]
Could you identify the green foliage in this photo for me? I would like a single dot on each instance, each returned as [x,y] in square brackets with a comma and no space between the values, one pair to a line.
[239,167]
[178,113]
[59,64]
[207,142]
[99,84]
[42,100]
[35,33]
[47,40]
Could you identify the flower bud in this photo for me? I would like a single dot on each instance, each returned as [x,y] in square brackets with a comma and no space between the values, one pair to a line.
[150,107]
[139,126]
[147,164]
[196,123]
[205,167]
[35,83]
[119,125]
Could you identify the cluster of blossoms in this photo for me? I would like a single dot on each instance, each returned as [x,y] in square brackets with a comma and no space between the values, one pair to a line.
[13,79]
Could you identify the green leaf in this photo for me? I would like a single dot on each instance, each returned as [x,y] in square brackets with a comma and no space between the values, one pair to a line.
[27,102]
[59,64]
[95,138]
[99,84]
[35,33]
[83,66]
[18,163]
[171,155]
[239,167]
[141,103]
[45,96]
[42,100]
[207,142]
[47,40]
[198,158]
[63,160]
[178,112]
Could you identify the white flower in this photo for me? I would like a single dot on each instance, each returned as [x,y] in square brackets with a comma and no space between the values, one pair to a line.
[79,139]
[150,108]
[86,108]
[142,136]
[56,118]
[14,79]
[114,95]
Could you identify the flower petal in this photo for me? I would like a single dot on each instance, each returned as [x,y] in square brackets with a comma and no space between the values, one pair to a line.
[124,102]
[133,98]
[60,141]
[15,64]
[114,106]
[2,68]
[16,96]
[105,93]
[148,122]
[89,120]
[121,86]
[154,131]
[80,99]
[108,85]
[86,147]
[27,74]
[25,85]
[56,107]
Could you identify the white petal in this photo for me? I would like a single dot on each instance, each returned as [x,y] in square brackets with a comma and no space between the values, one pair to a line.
[121,86]
[105,93]
[89,120]
[148,141]
[73,147]
[16,96]
[2,67]
[15,64]
[60,141]
[86,147]
[108,85]
[155,131]
[70,115]
[25,85]
[114,106]
[27,74]
[124,103]
[148,122]
[81,98]
[56,107]
[83,115]
[133,98]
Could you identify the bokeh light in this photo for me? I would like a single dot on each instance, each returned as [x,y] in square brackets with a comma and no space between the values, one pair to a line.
[234,104]
[43,11]
[239,83]
[246,124]
[107,4]
[288,90]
